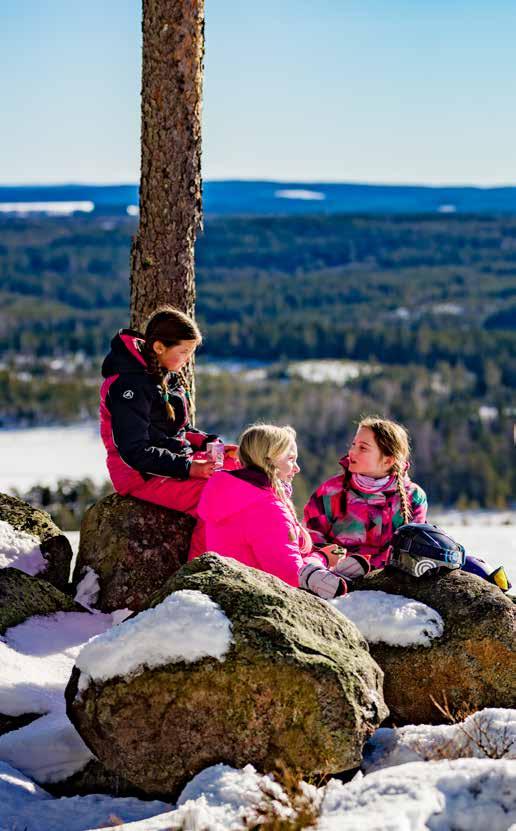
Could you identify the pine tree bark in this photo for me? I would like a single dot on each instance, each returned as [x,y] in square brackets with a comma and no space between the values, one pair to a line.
[162,256]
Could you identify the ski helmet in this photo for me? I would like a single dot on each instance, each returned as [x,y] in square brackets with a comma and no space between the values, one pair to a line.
[419,547]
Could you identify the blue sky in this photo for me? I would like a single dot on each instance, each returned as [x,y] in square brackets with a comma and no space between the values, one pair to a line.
[397,91]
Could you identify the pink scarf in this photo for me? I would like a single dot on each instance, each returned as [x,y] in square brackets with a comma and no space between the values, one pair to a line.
[368,484]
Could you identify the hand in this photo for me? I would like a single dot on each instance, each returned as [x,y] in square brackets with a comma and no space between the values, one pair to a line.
[202,469]
[335,553]
[231,450]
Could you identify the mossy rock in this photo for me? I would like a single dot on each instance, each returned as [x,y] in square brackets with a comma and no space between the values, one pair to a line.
[55,546]
[297,686]
[22,596]
[93,778]
[473,664]
[134,547]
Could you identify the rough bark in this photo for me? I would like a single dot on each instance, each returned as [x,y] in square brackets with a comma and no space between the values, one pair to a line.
[162,262]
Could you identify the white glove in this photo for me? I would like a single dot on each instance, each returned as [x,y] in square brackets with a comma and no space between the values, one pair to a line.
[321,581]
[352,567]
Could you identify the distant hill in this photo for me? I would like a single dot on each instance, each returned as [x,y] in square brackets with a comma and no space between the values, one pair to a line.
[283,199]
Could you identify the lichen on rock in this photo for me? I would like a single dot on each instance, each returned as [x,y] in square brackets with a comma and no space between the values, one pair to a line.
[297,685]
[471,666]
[133,547]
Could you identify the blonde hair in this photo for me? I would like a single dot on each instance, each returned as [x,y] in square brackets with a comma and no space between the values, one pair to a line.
[393,440]
[170,326]
[260,446]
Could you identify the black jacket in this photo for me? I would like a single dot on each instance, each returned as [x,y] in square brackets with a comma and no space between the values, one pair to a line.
[146,438]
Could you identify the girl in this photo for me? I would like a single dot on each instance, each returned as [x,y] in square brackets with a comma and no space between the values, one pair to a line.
[153,452]
[361,508]
[249,516]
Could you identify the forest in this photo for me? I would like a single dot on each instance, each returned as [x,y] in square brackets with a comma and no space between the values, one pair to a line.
[429,301]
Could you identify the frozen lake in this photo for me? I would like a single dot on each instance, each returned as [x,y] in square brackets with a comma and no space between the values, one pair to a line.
[47,454]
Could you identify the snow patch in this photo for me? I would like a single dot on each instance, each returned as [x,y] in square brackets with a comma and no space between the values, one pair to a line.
[186,626]
[37,658]
[25,806]
[88,588]
[488,733]
[390,618]
[300,193]
[48,749]
[50,208]
[20,550]
[463,795]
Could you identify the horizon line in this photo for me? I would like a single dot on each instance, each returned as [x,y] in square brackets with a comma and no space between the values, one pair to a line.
[303,182]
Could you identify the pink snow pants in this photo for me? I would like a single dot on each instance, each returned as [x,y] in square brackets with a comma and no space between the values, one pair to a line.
[181,495]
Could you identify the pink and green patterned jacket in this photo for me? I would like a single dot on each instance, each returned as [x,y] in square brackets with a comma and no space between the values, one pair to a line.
[338,512]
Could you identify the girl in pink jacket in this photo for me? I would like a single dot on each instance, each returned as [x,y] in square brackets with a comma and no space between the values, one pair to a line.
[248,515]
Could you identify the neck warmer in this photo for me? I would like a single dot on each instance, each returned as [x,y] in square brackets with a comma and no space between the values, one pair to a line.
[368,484]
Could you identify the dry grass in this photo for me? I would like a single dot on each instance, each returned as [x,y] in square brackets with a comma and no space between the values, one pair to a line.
[478,734]
[292,808]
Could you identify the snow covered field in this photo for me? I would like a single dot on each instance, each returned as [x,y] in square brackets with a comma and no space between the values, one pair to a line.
[47,454]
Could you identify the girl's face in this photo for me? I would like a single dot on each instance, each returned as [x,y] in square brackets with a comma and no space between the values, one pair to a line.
[287,464]
[365,456]
[174,358]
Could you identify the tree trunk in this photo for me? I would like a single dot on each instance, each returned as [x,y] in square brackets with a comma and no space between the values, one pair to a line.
[162,256]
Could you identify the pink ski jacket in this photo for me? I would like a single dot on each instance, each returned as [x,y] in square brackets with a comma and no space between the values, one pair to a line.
[246,520]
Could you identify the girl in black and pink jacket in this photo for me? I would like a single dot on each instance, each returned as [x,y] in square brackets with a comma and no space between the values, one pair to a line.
[153,452]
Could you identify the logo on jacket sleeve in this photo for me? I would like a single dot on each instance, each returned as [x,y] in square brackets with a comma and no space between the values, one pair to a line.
[128,394]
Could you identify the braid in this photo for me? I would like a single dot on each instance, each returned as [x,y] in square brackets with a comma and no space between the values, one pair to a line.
[155,369]
[191,404]
[404,501]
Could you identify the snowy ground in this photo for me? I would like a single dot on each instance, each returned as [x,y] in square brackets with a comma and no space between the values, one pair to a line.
[462,789]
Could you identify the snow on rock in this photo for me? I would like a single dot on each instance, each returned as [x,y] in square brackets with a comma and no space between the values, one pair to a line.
[487,733]
[186,626]
[25,806]
[48,749]
[461,795]
[391,619]
[37,658]
[88,589]
[20,550]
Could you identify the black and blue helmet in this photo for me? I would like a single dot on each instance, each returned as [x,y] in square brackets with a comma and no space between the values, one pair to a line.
[419,547]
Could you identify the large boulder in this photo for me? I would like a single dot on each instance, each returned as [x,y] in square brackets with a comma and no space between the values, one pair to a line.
[471,666]
[55,551]
[296,683]
[22,596]
[133,547]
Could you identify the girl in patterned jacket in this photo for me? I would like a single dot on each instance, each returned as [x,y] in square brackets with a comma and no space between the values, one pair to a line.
[360,509]
[153,452]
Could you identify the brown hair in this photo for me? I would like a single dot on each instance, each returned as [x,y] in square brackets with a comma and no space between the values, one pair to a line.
[393,440]
[260,445]
[170,326]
